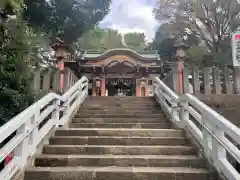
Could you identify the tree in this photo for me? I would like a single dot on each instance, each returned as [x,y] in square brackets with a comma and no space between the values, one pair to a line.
[67,20]
[100,39]
[17,47]
[212,21]
[166,37]
[135,41]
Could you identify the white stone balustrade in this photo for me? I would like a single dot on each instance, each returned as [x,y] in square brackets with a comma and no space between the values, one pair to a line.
[216,135]
[33,124]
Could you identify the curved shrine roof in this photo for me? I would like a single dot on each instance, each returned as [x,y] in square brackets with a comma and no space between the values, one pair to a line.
[90,55]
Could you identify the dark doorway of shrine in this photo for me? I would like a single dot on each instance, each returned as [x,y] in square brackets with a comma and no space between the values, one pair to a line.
[121,87]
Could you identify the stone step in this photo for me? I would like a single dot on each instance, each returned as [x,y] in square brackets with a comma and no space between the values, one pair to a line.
[121,97]
[111,140]
[115,115]
[146,101]
[119,120]
[122,125]
[119,150]
[119,104]
[102,108]
[121,100]
[120,132]
[116,173]
[120,111]
[118,160]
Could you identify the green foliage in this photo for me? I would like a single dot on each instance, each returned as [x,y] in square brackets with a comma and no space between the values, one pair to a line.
[16,92]
[65,19]
[212,21]
[165,48]
[100,39]
[135,41]
[198,56]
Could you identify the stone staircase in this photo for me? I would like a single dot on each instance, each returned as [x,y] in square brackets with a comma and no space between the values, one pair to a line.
[113,138]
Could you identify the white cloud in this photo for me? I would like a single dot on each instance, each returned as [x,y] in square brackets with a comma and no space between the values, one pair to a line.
[130,16]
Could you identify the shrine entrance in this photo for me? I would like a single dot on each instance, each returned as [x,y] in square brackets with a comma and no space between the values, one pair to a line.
[121,87]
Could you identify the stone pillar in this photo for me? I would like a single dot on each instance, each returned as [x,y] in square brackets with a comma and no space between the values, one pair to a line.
[196,82]
[37,79]
[66,82]
[236,80]
[216,80]
[227,81]
[46,80]
[103,87]
[56,81]
[206,81]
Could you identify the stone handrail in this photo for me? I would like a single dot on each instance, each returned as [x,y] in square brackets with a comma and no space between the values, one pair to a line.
[216,135]
[33,124]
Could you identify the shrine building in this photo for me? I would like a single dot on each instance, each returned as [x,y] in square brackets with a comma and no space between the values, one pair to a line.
[118,72]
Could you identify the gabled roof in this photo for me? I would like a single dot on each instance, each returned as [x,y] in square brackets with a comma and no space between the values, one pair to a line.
[153,56]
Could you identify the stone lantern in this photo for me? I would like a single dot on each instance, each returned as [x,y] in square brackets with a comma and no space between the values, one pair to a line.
[62,53]
[180,54]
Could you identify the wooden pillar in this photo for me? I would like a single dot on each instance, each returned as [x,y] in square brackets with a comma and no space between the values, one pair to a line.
[146,90]
[103,87]
[138,87]
[94,93]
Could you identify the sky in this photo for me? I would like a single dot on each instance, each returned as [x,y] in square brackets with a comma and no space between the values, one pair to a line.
[132,16]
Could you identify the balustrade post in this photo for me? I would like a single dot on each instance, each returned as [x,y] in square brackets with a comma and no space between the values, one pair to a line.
[22,150]
[56,113]
[184,114]
[34,136]
[174,111]
[218,151]
[206,140]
